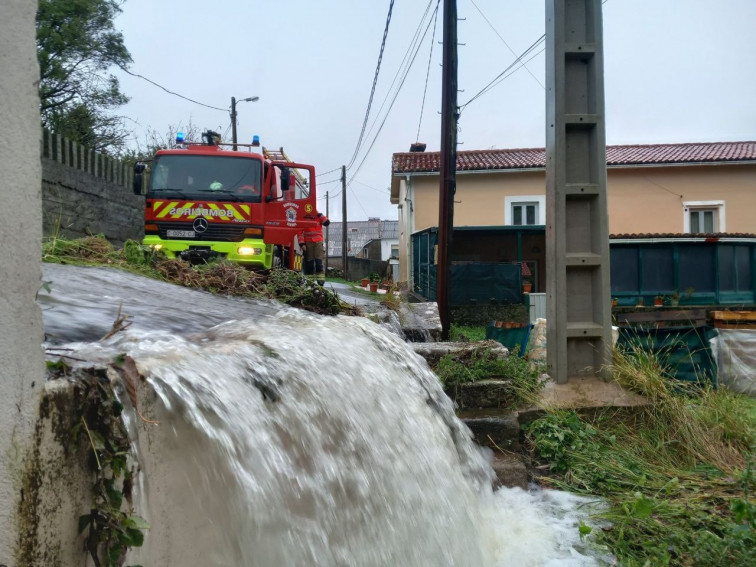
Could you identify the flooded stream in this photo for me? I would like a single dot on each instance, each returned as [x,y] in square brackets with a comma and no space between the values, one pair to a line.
[287,438]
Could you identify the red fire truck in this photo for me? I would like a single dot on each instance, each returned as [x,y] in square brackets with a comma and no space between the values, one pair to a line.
[210,200]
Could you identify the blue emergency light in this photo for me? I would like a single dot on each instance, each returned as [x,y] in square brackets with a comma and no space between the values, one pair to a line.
[179,137]
[256,140]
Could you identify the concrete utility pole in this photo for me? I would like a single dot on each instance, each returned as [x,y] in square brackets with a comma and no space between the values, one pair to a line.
[448,166]
[577,235]
[22,361]
[326,239]
[344,255]
[233,115]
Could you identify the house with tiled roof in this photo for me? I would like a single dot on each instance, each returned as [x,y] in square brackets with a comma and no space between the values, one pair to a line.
[679,190]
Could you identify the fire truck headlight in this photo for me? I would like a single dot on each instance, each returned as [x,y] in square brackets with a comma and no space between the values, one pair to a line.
[248,251]
[157,246]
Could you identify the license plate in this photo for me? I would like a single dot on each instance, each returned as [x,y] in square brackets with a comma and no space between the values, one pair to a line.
[179,233]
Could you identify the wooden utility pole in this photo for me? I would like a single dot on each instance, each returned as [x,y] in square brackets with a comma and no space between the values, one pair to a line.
[326,239]
[448,166]
[344,256]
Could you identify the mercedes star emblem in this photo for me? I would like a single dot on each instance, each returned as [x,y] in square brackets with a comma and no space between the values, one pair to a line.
[200,224]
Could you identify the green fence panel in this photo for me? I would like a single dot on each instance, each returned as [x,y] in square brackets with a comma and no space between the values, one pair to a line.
[481,282]
[510,338]
[685,351]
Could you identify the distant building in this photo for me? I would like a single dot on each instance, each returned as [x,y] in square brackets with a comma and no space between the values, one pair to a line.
[373,239]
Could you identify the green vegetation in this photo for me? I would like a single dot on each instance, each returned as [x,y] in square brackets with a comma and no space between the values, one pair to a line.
[76,45]
[482,363]
[462,333]
[110,529]
[217,277]
[677,474]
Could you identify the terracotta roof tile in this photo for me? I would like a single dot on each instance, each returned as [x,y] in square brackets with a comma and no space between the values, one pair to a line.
[712,236]
[529,158]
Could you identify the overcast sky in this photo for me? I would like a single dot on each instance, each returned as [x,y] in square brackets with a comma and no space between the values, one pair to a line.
[675,71]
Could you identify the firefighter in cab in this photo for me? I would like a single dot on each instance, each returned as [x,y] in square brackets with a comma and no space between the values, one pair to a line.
[311,243]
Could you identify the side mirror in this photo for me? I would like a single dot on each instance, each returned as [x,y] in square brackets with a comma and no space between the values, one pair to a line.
[139,177]
[285,179]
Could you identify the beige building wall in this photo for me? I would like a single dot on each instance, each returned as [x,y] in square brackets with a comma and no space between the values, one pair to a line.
[640,199]
[480,199]
[653,199]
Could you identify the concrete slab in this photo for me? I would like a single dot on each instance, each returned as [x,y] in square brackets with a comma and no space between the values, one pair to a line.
[588,392]
[420,321]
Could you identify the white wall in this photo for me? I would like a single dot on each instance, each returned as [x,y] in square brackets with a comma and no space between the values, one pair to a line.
[22,368]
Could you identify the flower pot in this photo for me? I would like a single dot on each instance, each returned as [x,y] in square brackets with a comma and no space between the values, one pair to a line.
[527,287]
[615,302]
[365,282]
[658,302]
[373,286]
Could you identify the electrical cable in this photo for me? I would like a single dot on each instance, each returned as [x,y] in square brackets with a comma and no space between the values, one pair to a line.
[501,76]
[375,81]
[396,94]
[496,79]
[427,73]
[402,69]
[505,43]
[125,70]
[329,171]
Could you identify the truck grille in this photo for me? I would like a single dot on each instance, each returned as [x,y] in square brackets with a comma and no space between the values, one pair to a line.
[217,232]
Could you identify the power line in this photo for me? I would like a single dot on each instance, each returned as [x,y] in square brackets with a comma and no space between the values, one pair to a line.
[375,81]
[125,70]
[327,172]
[427,73]
[505,43]
[501,76]
[402,69]
[396,94]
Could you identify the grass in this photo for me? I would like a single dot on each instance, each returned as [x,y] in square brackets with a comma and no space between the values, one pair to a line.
[220,277]
[483,362]
[467,333]
[677,475]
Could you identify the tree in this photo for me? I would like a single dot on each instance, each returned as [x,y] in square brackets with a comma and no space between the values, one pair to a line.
[154,141]
[76,45]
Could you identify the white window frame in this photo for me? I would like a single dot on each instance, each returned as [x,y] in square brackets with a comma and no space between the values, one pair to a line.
[717,206]
[539,200]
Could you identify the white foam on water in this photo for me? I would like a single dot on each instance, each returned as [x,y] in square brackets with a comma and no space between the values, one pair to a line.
[294,439]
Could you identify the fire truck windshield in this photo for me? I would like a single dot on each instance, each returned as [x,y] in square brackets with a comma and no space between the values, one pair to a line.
[219,178]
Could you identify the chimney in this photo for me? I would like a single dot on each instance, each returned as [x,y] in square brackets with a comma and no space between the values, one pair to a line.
[417,147]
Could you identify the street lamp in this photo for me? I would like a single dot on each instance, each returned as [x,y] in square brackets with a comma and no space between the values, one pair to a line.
[233,115]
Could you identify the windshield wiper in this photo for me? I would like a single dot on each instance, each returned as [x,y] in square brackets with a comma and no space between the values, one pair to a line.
[164,189]
[222,192]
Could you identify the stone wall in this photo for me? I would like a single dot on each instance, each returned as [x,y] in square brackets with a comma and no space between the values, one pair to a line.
[84,192]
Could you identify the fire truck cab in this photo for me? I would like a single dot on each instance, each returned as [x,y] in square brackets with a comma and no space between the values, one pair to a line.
[208,200]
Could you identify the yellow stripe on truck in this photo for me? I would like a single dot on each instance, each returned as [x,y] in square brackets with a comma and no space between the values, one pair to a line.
[165,211]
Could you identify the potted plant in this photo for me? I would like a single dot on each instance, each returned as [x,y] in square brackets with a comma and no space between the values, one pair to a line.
[374,280]
[615,302]
[641,302]
[365,282]
[527,283]
[658,301]
[674,299]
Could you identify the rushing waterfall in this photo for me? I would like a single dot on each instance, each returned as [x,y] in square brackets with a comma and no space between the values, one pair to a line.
[292,439]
